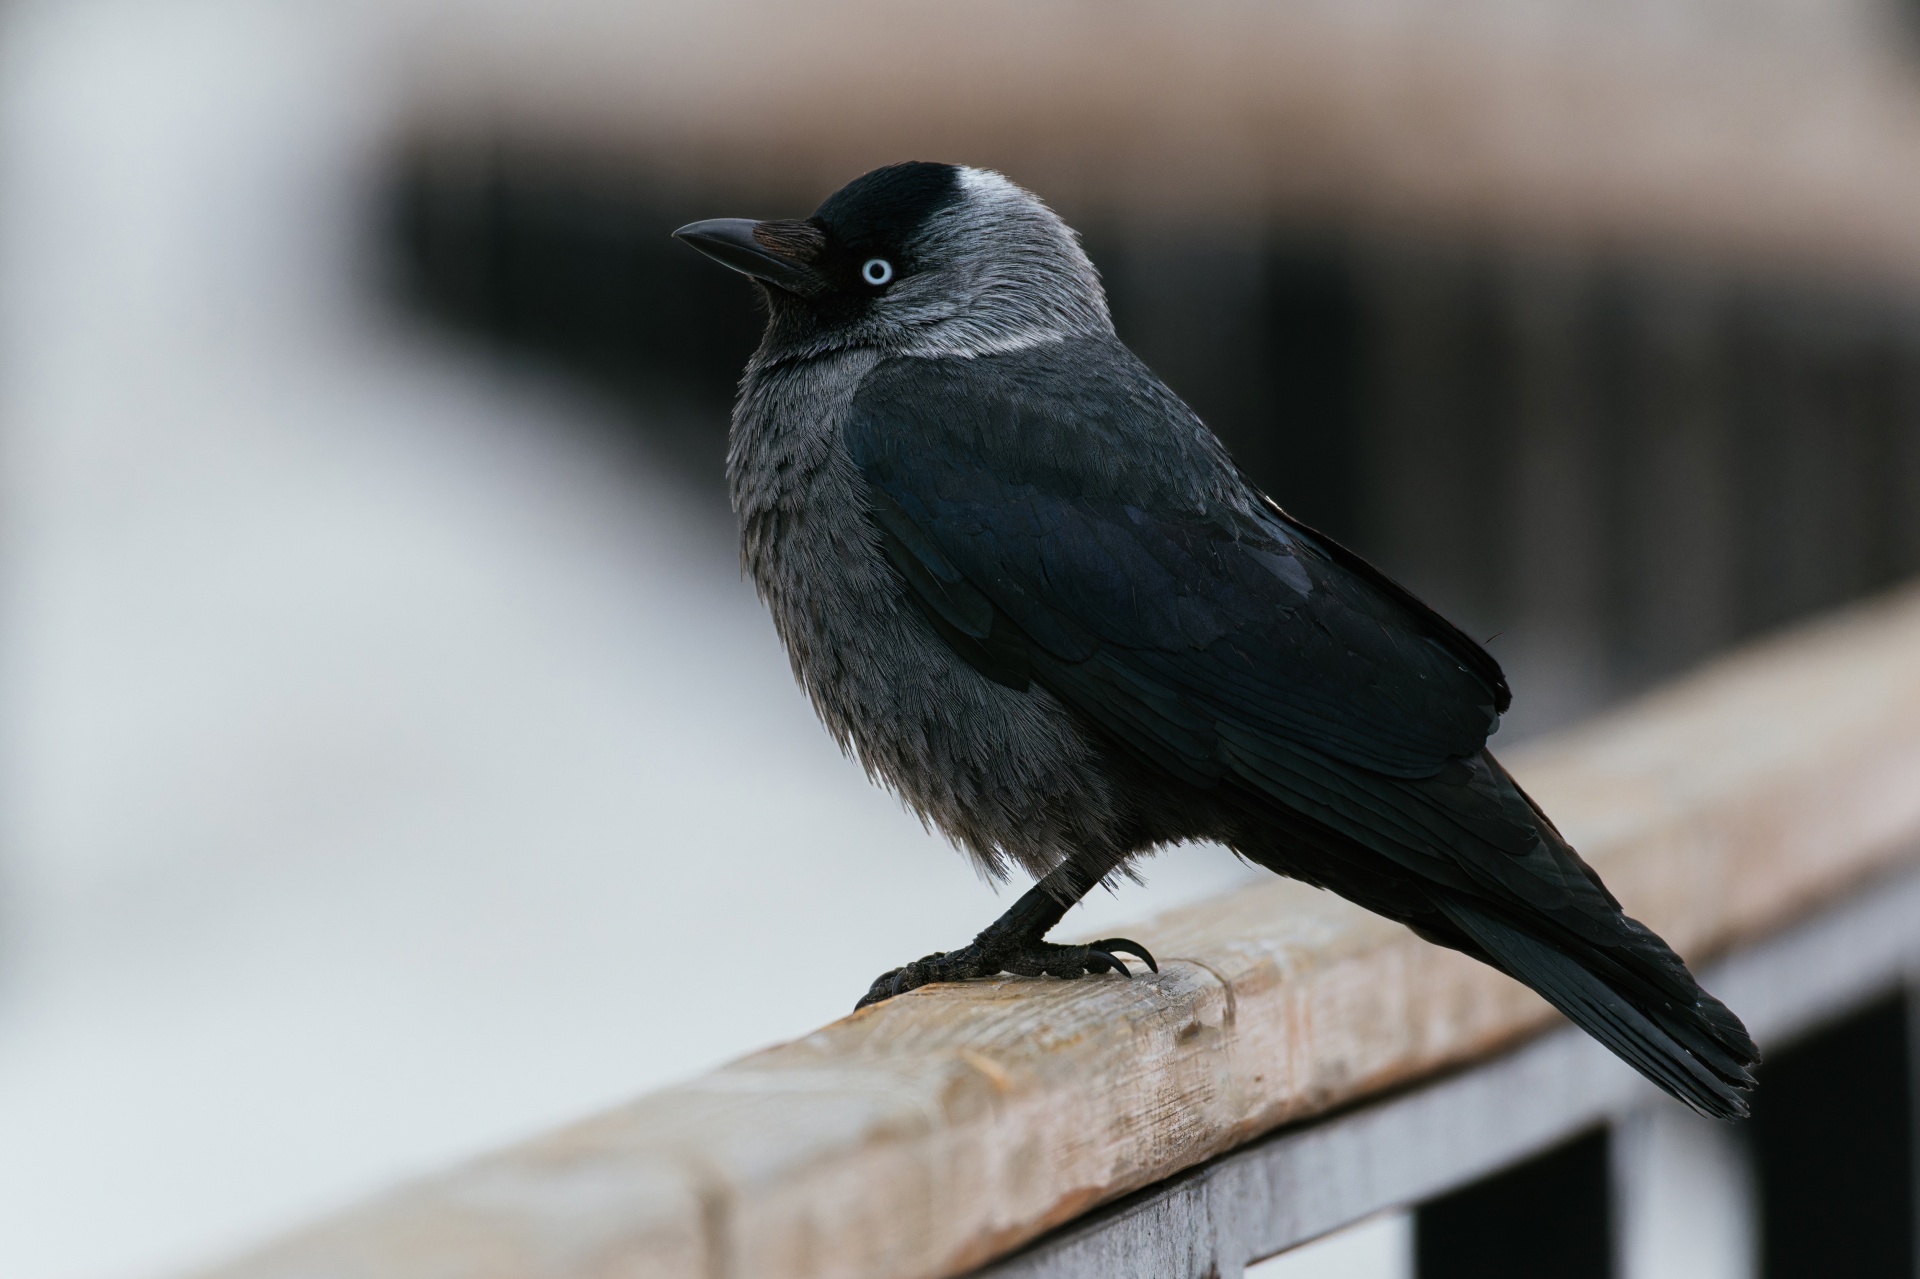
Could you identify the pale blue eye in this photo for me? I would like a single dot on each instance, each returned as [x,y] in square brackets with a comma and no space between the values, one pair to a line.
[877,271]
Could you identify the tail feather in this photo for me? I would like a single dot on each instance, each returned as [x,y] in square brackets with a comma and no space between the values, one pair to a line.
[1695,1049]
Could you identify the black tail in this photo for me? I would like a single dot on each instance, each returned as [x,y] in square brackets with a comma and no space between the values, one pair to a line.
[1638,1000]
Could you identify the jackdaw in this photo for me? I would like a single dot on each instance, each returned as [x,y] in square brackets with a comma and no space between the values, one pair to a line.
[1028,588]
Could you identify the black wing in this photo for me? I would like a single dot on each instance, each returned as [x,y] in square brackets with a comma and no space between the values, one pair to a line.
[1062,519]
[1171,603]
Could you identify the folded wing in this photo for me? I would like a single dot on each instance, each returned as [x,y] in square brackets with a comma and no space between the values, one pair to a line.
[1062,519]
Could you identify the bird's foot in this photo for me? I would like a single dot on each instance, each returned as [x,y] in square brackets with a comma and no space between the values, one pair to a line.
[987,956]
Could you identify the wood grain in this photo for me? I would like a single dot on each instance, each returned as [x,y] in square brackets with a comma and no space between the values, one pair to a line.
[929,1134]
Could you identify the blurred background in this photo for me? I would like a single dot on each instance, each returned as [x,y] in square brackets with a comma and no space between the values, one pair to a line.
[394,763]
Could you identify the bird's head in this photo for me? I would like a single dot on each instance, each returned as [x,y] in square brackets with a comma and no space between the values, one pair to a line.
[915,258]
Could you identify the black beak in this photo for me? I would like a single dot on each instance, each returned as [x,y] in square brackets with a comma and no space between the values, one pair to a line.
[781,253]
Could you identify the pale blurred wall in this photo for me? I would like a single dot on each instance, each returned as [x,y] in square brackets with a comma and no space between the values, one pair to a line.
[393,764]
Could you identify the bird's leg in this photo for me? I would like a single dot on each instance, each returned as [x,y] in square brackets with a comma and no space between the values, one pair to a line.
[1015,943]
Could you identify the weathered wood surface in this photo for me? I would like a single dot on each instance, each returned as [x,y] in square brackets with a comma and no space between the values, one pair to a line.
[1769,125]
[932,1133]
[1308,1179]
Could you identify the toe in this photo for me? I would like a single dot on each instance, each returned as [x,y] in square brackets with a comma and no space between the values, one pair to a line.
[1120,945]
[1074,961]
[881,990]
[1023,965]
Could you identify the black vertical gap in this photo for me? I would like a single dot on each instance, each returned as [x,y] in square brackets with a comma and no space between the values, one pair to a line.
[1888,435]
[1843,343]
[1615,398]
[1680,590]
[1833,1138]
[1550,1216]
[1903,444]
[1486,425]
[1193,306]
[1765,392]
[1910,1003]
[1436,420]
[1806,453]
[1260,334]
[1555,503]
[1311,357]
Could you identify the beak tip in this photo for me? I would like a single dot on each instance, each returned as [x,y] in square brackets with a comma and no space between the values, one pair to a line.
[735,231]
[732,242]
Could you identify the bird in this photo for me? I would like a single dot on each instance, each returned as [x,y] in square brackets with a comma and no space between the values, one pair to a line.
[1027,588]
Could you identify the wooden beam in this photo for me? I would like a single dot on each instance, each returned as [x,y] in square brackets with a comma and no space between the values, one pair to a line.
[1766,126]
[930,1134]
[1309,1179]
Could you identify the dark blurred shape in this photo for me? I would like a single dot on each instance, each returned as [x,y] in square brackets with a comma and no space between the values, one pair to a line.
[1549,1216]
[1616,461]
[1260,332]
[1833,1135]
[569,263]
[1638,456]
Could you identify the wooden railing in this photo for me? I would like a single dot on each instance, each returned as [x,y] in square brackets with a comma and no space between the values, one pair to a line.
[1760,814]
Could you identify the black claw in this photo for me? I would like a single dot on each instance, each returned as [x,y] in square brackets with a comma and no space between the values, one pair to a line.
[1125,947]
[875,994]
[1023,957]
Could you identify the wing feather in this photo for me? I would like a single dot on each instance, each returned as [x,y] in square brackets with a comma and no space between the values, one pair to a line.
[1062,520]
[1201,610]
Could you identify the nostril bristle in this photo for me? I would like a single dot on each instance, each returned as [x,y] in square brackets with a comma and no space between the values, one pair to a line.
[797,241]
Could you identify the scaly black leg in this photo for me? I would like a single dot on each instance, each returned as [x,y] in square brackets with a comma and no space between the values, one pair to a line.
[1014,943]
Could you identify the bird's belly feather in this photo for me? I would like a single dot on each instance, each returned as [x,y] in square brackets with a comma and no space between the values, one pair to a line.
[1004,773]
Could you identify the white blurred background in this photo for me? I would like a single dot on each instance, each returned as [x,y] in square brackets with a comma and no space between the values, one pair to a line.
[394,763]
